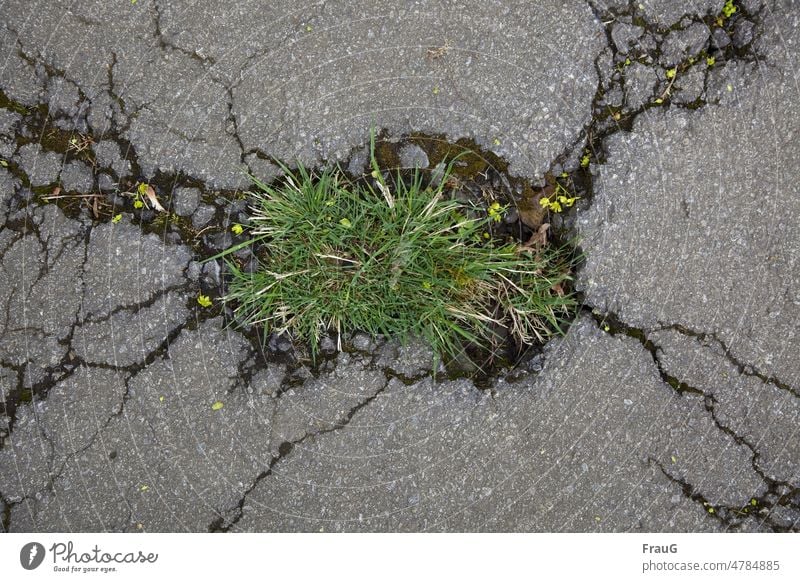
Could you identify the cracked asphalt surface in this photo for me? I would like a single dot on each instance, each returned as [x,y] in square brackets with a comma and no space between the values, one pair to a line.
[672,404]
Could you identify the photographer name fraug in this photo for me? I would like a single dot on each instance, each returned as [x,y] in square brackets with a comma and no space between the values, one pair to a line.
[659,549]
[64,553]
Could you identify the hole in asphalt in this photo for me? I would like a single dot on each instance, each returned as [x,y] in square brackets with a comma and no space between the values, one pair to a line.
[505,218]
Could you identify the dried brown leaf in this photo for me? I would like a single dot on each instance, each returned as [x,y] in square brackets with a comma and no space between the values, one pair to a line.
[538,239]
[531,212]
[151,196]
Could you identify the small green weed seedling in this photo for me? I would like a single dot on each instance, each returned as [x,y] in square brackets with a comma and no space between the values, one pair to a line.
[393,256]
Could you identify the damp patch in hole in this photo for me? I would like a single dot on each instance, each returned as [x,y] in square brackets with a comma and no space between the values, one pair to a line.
[418,238]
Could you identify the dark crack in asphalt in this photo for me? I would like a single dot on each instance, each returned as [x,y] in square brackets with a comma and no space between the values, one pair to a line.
[220,524]
[778,492]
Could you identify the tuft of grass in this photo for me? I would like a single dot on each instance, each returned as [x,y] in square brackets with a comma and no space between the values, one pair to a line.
[393,256]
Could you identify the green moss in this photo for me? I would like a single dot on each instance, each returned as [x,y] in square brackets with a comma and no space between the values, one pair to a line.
[11,105]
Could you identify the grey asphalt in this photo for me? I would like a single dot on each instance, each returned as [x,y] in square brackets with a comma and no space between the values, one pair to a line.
[672,404]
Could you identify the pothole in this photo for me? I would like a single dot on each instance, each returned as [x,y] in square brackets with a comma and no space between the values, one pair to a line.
[412,236]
